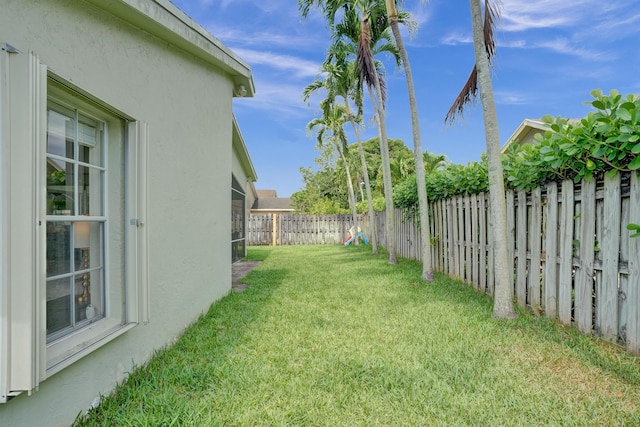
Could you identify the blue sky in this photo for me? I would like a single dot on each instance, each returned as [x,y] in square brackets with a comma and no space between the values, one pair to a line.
[551,54]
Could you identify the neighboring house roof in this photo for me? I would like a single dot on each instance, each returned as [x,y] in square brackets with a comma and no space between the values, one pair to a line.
[251,188]
[525,133]
[163,19]
[266,193]
[272,204]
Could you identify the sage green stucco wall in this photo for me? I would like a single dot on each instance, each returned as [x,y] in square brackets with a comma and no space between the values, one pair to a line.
[186,103]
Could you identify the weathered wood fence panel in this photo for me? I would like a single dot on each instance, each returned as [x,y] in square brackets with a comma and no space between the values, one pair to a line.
[293,229]
[573,257]
[633,270]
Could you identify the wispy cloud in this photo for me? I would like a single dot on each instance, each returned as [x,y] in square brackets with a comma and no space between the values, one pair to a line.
[299,67]
[276,100]
[511,98]
[522,15]
[564,46]
[583,16]
[454,39]
[560,45]
[274,38]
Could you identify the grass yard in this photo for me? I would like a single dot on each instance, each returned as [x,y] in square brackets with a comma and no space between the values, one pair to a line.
[335,336]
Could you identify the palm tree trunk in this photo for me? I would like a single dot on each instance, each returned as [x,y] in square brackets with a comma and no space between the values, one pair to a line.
[503,296]
[423,203]
[390,220]
[365,172]
[352,196]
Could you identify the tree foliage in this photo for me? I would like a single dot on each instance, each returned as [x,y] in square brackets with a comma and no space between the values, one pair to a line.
[327,181]
[607,139]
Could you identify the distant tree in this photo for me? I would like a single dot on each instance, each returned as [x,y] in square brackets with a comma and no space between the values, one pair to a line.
[331,127]
[371,18]
[433,162]
[341,79]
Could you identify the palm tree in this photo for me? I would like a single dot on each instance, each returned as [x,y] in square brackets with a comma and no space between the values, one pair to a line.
[484,49]
[342,79]
[433,162]
[372,22]
[331,126]
[427,269]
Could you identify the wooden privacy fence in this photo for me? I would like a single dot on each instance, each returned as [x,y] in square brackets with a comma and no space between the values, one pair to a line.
[294,229]
[573,257]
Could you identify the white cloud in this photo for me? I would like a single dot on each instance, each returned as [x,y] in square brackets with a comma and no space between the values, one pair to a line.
[275,39]
[511,98]
[583,16]
[281,101]
[456,39]
[301,68]
[522,15]
[564,46]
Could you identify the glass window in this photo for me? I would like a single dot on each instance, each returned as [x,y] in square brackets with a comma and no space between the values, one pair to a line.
[77,220]
[238,212]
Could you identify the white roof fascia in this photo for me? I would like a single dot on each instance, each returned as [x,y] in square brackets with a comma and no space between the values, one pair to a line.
[243,154]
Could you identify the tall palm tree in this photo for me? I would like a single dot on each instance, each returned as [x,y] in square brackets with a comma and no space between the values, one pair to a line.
[427,269]
[480,78]
[372,20]
[331,127]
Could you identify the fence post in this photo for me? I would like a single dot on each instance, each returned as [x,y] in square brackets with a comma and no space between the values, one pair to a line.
[583,286]
[550,301]
[274,231]
[607,295]
[633,293]
[565,281]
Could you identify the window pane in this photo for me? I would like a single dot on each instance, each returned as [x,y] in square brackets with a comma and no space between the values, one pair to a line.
[59,304]
[90,195]
[89,268]
[58,248]
[237,215]
[59,187]
[90,139]
[60,130]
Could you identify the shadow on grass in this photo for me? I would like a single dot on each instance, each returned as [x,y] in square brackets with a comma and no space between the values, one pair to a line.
[195,362]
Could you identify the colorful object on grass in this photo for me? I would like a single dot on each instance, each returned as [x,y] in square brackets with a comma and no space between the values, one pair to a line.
[352,236]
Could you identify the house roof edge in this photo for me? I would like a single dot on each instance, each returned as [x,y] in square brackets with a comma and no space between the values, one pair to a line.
[166,21]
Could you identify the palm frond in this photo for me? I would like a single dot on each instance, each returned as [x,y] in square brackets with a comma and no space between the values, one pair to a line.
[466,96]
[312,88]
[470,89]
[364,57]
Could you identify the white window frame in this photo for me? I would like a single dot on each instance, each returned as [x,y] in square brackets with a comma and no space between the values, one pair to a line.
[25,357]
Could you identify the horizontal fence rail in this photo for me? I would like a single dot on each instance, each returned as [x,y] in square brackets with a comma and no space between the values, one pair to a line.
[572,256]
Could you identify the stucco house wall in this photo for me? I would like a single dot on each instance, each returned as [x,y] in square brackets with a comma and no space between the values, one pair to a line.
[148,60]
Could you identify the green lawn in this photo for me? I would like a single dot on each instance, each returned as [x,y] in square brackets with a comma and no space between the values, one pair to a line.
[335,336]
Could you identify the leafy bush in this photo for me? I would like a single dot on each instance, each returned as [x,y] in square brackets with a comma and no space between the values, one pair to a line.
[607,140]
[452,180]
